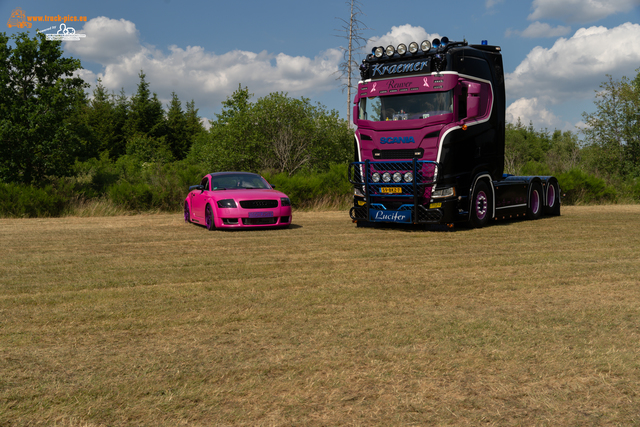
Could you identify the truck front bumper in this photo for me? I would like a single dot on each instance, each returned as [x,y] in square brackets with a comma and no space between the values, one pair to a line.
[397,199]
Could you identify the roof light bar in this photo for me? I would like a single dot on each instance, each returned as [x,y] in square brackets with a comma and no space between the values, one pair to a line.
[390,50]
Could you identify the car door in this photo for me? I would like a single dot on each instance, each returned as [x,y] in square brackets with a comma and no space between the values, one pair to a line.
[199,198]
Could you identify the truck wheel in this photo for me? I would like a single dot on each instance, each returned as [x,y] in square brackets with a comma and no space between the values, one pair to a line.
[534,210]
[553,199]
[208,218]
[480,206]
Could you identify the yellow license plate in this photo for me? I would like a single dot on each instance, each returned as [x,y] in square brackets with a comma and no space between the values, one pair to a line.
[435,205]
[392,190]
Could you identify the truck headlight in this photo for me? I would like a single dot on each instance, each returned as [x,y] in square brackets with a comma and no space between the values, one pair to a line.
[386,177]
[375,177]
[408,177]
[397,177]
[444,192]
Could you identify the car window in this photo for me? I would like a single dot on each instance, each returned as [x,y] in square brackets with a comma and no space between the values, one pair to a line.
[239,181]
[205,183]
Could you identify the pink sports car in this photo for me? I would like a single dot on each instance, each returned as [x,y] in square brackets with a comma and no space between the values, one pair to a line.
[236,200]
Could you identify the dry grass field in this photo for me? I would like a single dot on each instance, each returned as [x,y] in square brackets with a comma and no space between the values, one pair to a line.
[148,321]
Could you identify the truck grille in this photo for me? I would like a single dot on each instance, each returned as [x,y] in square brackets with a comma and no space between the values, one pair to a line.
[398,154]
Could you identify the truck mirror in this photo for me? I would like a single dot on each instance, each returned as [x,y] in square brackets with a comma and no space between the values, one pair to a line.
[473,100]
[355,114]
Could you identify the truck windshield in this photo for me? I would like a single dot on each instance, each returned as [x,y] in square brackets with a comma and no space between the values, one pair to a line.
[411,106]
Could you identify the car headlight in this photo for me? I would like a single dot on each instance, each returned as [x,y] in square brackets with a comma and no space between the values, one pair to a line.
[284,201]
[227,203]
[386,177]
[397,177]
[408,177]
[444,192]
[375,177]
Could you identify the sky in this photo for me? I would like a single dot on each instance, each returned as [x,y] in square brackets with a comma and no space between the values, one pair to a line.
[556,53]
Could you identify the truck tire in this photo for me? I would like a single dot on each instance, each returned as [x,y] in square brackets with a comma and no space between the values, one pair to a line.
[534,207]
[480,206]
[553,199]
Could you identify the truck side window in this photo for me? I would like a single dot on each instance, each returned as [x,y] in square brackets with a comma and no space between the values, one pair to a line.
[462,103]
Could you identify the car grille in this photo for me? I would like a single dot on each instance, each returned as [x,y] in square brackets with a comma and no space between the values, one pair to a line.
[258,204]
[259,221]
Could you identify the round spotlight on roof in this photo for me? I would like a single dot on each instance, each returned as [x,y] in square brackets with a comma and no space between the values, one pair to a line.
[390,50]
[378,51]
[425,45]
[435,43]
[445,41]
[413,47]
[402,48]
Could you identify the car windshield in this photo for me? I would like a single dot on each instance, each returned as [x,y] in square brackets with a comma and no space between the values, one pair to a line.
[233,181]
[411,106]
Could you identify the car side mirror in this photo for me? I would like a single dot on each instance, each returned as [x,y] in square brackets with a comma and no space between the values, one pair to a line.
[196,187]
[272,186]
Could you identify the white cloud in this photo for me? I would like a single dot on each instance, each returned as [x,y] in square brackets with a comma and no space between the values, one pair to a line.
[107,39]
[490,3]
[402,34]
[539,29]
[194,73]
[572,68]
[532,110]
[580,11]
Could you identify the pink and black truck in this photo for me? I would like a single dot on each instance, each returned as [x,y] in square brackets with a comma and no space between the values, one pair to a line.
[430,139]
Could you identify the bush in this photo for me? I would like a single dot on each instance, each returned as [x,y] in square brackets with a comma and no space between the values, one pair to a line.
[305,189]
[136,197]
[25,201]
[580,187]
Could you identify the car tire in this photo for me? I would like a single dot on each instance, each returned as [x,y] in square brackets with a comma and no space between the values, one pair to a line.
[480,206]
[534,207]
[187,213]
[209,218]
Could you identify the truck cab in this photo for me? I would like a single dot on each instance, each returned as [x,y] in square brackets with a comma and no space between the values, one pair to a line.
[430,128]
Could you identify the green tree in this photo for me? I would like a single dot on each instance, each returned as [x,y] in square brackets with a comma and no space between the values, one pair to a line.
[277,133]
[612,132]
[38,95]
[145,116]
[177,139]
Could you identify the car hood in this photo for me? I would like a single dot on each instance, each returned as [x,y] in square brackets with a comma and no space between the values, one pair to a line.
[248,194]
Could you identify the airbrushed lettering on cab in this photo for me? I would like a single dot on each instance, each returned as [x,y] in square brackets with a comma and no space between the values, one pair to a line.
[397,140]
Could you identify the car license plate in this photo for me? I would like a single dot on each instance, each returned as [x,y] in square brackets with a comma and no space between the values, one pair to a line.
[391,190]
[260,214]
